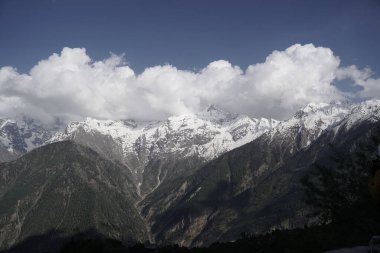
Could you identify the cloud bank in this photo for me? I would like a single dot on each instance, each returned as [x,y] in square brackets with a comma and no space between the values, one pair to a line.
[71,86]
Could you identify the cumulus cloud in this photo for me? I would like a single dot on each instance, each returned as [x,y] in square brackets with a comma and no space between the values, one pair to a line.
[370,87]
[70,86]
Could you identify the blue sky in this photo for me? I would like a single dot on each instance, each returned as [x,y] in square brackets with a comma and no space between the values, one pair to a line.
[187,34]
[262,58]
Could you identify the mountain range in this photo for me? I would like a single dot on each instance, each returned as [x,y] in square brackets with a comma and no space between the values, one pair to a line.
[190,179]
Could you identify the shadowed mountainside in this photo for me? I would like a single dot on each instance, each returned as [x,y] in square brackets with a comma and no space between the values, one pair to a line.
[253,188]
[67,187]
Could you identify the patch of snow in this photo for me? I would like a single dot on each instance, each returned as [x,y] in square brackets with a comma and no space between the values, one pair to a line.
[194,193]
[207,134]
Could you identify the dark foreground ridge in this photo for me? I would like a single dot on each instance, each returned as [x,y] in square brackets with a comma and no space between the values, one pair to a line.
[309,239]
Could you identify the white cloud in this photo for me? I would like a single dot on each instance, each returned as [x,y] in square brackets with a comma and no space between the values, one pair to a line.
[290,79]
[362,78]
[71,86]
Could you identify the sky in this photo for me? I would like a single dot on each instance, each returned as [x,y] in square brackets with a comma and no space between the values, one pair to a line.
[151,59]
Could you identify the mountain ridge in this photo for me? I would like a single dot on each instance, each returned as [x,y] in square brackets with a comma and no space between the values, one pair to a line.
[180,197]
[205,207]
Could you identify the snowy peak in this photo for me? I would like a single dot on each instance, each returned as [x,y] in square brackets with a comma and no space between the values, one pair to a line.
[215,114]
[314,110]
[310,122]
[318,116]
[23,135]
[369,107]
[266,123]
[10,136]
[207,134]
[111,127]
[140,145]
[313,107]
[213,109]
[365,111]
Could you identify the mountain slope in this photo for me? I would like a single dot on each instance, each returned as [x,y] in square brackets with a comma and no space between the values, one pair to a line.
[195,179]
[256,187]
[158,151]
[67,187]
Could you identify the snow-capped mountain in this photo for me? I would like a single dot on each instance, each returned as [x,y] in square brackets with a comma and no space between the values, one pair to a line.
[201,136]
[314,119]
[257,187]
[311,121]
[175,194]
[207,134]
[157,150]
[21,136]
[366,111]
